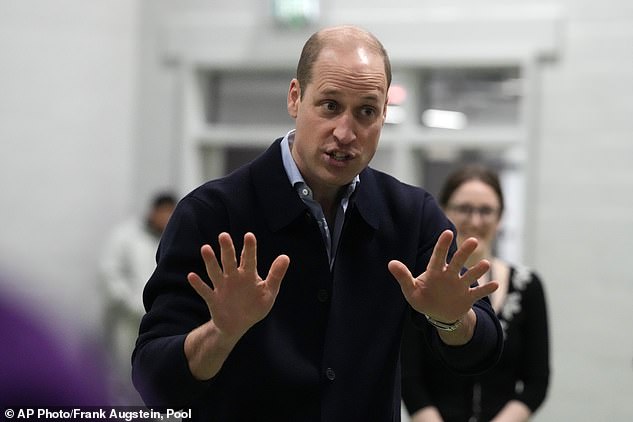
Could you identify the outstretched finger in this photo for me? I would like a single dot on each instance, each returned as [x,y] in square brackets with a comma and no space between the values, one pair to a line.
[200,287]
[227,253]
[475,272]
[462,254]
[440,251]
[482,291]
[211,264]
[248,259]
[402,275]
[277,272]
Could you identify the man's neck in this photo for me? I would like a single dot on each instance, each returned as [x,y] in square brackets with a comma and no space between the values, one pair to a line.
[329,202]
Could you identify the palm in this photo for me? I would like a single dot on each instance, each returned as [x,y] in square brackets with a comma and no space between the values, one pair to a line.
[239,297]
[441,291]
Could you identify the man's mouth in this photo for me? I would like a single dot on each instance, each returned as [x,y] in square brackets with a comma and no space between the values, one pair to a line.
[339,156]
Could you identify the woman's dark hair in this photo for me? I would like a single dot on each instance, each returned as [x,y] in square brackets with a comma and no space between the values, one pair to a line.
[466,174]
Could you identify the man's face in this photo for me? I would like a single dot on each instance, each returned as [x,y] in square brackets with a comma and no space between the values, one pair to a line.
[339,118]
[160,215]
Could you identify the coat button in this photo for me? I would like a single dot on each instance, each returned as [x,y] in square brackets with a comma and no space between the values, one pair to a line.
[323,295]
[330,374]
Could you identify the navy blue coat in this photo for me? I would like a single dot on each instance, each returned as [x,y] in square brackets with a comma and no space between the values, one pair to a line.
[329,349]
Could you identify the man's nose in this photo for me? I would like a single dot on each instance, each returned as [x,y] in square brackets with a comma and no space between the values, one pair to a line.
[344,131]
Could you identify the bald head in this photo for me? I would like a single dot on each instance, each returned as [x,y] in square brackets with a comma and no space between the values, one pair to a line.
[346,37]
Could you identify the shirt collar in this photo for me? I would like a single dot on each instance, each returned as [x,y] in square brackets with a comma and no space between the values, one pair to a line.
[294,175]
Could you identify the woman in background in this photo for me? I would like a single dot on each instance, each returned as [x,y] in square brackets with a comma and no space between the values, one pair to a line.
[515,388]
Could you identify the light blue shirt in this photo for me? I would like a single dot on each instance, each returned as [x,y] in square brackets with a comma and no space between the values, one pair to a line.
[305,193]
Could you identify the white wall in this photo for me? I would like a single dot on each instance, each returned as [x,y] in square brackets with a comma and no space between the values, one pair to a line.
[68,110]
[584,213]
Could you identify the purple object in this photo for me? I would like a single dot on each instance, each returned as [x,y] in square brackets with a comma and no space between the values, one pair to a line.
[36,368]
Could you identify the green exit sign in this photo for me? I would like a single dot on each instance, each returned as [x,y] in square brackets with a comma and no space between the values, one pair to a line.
[296,13]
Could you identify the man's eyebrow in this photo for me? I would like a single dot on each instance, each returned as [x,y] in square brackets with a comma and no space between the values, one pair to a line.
[330,92]
[333,92]
[371,97]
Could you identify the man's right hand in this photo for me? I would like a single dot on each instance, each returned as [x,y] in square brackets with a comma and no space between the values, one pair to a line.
[238,300]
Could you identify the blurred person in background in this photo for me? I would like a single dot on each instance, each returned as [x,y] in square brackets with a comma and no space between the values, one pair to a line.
[517,385]
[127,261]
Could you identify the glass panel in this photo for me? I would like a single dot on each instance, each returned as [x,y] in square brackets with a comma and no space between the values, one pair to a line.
[220,161]
[434,171]
[459,98]
[238,156]
[247,97]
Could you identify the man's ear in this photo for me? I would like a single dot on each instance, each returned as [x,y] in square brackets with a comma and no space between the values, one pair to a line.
[294,98]
[384,111]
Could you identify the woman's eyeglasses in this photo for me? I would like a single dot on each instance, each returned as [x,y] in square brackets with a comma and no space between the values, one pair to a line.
[466,211]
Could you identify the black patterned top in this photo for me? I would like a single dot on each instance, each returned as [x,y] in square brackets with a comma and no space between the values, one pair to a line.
[522,372]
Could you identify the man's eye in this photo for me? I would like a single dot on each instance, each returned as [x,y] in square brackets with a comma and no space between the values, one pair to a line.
[368,111]
[330,106]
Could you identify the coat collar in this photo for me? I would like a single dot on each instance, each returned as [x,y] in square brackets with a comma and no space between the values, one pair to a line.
[280,203]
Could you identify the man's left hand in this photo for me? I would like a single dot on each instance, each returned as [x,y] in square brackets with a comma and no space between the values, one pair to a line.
[442,292]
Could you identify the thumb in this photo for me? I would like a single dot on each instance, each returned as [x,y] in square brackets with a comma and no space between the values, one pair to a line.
[402,275]
[203,290]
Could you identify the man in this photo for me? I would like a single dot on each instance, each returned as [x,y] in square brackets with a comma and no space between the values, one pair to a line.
[318,338]
[128,259]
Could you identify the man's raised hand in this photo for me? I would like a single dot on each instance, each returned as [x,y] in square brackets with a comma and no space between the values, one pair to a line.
[239,297]
[441,292]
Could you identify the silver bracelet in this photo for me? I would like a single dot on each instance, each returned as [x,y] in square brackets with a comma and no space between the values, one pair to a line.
[444,326]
